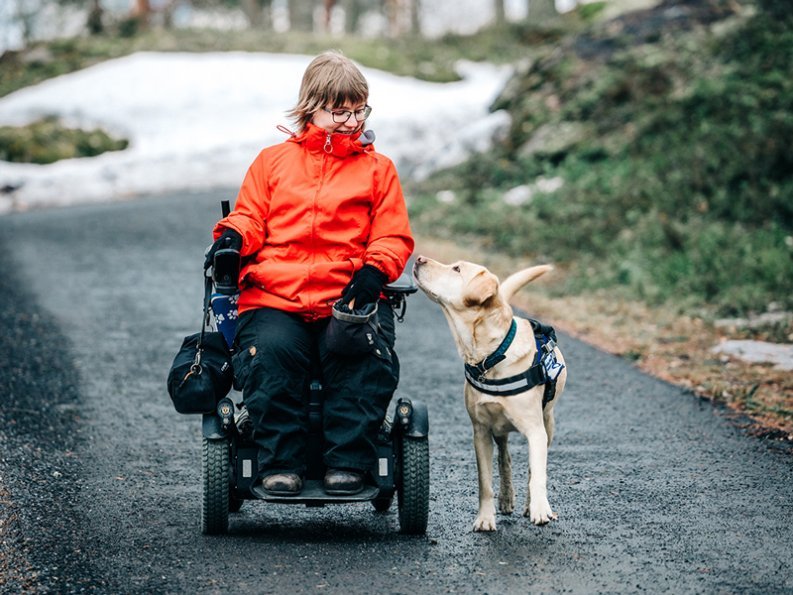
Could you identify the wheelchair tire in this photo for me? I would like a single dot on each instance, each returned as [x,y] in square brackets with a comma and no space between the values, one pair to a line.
[215,475]
[414,488]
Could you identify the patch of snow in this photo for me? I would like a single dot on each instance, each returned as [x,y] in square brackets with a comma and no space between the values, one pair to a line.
[518,195]
[780,355]
[522,194]
[446,196]
[197,121]
[548,185]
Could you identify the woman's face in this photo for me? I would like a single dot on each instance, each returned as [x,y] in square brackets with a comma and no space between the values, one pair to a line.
[332,119]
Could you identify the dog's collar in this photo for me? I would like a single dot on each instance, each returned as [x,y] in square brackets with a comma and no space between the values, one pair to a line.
[479,370]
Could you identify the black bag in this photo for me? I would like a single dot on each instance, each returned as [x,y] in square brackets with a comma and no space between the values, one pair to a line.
[352,332]
[201,373]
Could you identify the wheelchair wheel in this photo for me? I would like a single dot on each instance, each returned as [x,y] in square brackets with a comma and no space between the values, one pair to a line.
[414,488]
[215,475]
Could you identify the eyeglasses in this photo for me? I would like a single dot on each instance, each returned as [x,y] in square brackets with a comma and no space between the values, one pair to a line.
[341,116]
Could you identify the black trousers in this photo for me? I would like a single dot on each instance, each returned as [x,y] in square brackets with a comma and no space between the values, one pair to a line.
[277,355]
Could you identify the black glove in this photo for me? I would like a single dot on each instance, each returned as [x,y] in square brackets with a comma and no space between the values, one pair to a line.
[229,239]
[365,286]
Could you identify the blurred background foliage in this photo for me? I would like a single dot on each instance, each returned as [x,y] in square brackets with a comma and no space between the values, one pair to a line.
[648,152]
[667,134]
[47,141]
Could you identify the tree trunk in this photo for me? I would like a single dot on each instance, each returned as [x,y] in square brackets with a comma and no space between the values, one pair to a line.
[26,17]
[501,14]
[253,12]
[353,9]
[95,15]
[166,12]
[415,17]
[301,15]
[141,10]
[539,10]
[258,13]
[391,12]
[267,14]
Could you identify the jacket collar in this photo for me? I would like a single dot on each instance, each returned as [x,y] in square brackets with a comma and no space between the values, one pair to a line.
[316,139]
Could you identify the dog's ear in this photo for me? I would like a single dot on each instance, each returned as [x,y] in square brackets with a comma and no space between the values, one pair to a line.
[481,289]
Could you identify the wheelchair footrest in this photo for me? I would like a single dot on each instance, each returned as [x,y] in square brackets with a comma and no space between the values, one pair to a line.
[314,494]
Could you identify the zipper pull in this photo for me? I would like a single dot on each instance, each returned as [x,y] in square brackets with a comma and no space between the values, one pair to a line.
[328,148]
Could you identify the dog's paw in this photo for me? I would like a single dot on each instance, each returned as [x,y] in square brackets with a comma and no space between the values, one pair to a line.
[540,513]
[485,522]
[506,502]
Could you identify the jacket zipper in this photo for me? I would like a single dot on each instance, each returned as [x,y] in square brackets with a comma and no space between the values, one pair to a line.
[327,148]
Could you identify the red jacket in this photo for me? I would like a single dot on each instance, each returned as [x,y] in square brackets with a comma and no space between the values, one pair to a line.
[311,211]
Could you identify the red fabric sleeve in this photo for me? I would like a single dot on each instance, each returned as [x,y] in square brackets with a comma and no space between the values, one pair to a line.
[390,240]
[250,209]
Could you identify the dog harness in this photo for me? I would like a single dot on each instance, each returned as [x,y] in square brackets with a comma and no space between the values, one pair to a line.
[546,368]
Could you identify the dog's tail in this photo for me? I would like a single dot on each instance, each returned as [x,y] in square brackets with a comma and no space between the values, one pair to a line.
[517,280]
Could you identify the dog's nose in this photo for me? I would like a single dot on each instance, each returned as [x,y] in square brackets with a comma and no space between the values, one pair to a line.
[420,259]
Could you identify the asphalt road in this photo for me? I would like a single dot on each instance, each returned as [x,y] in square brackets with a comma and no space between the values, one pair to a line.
[656,491]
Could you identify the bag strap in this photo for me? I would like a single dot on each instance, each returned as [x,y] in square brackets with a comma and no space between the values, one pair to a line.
[205,311]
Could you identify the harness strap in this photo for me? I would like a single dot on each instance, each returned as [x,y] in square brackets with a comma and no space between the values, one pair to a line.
[544,371]
[497,356]
[506,387]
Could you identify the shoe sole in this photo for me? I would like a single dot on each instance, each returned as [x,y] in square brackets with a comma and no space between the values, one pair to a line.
[338,492]
[281,492]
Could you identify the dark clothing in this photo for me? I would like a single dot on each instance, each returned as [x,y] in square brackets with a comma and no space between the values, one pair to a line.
[274,364]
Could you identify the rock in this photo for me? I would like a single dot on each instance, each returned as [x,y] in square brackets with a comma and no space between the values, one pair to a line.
[553,138]
[780,355]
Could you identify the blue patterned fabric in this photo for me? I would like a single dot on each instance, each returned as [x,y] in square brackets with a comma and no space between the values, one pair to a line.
[224,309]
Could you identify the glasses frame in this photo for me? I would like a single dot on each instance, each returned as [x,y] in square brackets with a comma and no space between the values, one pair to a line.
[367,109]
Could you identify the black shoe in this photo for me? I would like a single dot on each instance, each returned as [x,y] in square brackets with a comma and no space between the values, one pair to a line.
[343,483]
[282,484]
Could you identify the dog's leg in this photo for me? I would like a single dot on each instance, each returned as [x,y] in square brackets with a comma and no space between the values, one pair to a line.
[537,507]
[506,493]
[483,445]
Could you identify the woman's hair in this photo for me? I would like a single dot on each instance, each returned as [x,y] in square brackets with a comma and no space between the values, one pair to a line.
[331,79]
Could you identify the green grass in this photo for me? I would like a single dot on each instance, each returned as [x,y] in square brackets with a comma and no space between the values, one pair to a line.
[47,140]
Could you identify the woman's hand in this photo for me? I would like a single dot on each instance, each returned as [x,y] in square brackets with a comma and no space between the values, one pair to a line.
[365,287]
[229,239]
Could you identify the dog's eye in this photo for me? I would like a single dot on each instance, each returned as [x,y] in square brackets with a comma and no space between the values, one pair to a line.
[456,269]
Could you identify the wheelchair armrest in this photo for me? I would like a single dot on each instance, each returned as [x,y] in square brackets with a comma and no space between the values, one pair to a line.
[402,286]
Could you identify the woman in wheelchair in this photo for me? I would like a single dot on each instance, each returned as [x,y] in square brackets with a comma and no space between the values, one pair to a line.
[320,218]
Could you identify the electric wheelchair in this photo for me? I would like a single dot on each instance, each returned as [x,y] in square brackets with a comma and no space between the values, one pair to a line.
[229,455]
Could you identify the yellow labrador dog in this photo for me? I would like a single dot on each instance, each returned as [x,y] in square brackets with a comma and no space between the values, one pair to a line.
[505,389]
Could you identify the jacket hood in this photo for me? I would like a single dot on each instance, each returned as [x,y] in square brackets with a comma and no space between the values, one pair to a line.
[316,139]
